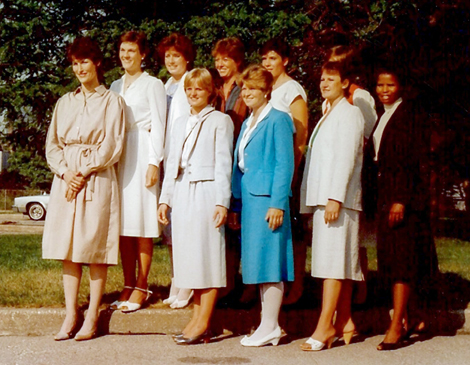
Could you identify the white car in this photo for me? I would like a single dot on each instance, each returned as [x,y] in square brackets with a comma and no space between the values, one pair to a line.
[34,206]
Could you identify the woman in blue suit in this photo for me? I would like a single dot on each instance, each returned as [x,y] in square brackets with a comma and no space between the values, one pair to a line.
[262,175]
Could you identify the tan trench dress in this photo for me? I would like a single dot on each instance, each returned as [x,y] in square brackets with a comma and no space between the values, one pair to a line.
[86,134]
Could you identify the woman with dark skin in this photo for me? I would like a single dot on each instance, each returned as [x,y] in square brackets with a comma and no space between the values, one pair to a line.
[395,173]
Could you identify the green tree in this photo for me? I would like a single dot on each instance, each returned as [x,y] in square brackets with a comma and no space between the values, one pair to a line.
[429,37]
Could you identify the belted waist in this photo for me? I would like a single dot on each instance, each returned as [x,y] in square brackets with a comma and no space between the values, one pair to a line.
[85,150]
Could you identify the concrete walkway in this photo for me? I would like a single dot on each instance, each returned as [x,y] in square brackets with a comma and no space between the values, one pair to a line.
[160,349]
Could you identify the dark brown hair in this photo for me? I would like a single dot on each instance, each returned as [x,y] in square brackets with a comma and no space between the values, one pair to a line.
[181,43]
[276,45]
[340,67]
[138,38]
[231,47]
[85,47]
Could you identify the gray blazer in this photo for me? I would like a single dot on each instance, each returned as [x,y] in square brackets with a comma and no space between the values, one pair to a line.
[210,157]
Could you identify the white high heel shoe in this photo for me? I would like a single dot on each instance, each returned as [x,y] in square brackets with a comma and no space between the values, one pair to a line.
[179,304]
[273,339]
[116,305]
[128,307]
[170,300]
[173,295]
[314,345]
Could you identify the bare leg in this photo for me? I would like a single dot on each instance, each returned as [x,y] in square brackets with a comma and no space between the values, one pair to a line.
[72,274]
[344,324]
[401,294]
[98,274]
[271,301]
[204,301]
[196,313]
[144,259]
[331,295]
[128,249]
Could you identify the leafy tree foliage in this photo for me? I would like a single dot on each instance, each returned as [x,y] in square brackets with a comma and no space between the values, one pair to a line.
[428,37]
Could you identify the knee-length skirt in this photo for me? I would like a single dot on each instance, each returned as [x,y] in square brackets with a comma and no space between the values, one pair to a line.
[138,203]
[335,246]
[198,247]
[267,256]
[406,252]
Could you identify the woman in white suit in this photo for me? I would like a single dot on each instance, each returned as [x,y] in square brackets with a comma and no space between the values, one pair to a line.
[197,188]
[331,188]
[177,52]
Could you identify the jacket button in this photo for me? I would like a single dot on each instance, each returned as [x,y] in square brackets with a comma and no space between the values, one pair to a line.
[379,174]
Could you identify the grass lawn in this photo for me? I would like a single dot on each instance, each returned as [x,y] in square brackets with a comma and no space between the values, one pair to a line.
[29,281]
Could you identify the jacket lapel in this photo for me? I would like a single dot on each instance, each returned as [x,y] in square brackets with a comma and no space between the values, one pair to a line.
[262,124]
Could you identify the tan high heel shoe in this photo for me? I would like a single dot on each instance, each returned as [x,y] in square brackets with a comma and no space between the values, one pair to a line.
[347,336]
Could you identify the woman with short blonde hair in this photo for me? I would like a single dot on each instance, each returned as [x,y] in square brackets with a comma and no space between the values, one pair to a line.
[197,188]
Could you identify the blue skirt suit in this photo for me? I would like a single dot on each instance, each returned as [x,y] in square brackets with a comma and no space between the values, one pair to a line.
[267,255]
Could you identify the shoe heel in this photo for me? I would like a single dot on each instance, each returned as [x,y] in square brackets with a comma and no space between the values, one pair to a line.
[347,337]
[330,341]
[275,341]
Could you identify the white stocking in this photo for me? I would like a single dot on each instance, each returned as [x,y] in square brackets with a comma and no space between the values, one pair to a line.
[271,300]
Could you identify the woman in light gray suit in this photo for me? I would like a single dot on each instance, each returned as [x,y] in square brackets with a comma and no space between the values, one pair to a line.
[197,188]
[332,190]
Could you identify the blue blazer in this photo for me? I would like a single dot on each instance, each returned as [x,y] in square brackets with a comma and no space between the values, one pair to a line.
[269,160]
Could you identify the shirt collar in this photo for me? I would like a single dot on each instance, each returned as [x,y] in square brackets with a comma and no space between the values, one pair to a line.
[99,89]
[393,106]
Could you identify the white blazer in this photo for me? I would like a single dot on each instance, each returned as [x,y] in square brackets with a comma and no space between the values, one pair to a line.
[210,158]
[334,160]
[179,107]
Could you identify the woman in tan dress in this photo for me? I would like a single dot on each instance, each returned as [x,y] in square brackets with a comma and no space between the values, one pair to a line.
[83,144]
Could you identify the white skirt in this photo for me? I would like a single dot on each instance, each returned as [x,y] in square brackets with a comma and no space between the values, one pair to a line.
[138,203]
[198,247]
[335,246]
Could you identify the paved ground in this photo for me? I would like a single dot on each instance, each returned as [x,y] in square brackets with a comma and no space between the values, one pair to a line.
[17,223]
[160,349]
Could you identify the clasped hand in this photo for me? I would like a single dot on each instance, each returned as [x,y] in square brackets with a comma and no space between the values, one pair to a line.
[75,182]
[397,212]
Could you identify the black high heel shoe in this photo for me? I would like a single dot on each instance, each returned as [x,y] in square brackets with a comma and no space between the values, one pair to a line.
[385,346]
[203,337]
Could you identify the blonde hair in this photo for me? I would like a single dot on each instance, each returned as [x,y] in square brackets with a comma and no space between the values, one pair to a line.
[203,78]
[258,77]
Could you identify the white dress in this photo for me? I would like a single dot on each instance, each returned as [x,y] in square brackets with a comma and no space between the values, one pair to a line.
[178,107]
[145,130]
[284,95]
